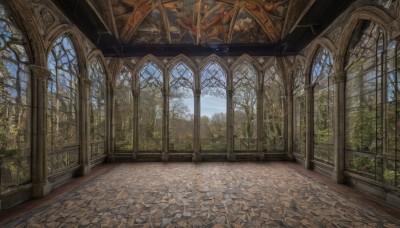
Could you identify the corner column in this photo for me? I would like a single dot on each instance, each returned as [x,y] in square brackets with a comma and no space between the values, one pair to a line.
[164,156]
[84,130]
[339,130]
[260,124]
[41,185]
[196,140]
[290,126]
[230,134]
[309,125]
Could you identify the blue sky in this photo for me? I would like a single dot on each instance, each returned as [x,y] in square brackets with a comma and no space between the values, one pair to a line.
[209,105]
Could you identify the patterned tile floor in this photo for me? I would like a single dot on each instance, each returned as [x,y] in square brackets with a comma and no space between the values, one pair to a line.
[204,195]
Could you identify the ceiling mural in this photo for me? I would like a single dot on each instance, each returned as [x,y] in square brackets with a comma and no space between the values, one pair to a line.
[199,22]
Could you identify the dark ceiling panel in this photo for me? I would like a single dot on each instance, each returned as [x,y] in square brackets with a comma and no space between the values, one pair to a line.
[318,17]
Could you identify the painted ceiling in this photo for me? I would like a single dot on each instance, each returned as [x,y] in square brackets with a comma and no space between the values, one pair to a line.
[199,22]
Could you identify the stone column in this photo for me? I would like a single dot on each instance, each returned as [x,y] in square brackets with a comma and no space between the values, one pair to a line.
[309,125]
[111,126]
[109,123]
[165,142]
[84,121]
[339,143]
[196,140]
[260,123]
[135,123]
[230,132]
[290,125]
[41,185]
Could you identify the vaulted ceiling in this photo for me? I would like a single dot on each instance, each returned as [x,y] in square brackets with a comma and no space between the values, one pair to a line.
[230,27]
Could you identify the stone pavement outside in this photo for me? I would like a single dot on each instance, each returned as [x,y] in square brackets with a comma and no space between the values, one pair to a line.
[204,195]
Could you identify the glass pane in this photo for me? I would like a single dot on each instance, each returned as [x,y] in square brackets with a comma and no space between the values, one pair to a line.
[322,71]
[213,108]
[150,107]
[15,106]
[274,111]
[123,111]
[97,108]
[245,107]
[63,106]
[181,108]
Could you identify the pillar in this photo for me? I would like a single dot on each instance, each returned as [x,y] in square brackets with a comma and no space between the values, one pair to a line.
[339,140]
[41,185]
[260,122]
[135,129]
[196,140]
[309,125]
[230,134]
[290,125]
[164,156]
[84,120]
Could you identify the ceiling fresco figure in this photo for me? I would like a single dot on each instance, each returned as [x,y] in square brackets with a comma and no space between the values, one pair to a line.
[151,30]
[199,22]
[216,22]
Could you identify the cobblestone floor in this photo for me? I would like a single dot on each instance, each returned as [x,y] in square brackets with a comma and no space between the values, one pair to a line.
[204,195]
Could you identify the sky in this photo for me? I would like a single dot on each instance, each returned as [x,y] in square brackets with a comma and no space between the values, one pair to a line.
[209,105]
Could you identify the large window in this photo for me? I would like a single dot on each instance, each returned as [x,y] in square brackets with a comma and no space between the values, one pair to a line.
[14,105]
[63,106]
[150,107]
[97,108]
[323,96]
[273,117]
[213,108]
[299,112]
[123,111]
[181,108]
[372,113]
[245,107]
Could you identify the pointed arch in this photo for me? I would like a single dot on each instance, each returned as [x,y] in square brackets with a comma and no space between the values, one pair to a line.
[213,103]
[214,58]
[368,13]
[15,103]
[274,100]
[148,58]
[74,35]
[320,42]
[178,59]
[27,24]
[97,76]
[149,73]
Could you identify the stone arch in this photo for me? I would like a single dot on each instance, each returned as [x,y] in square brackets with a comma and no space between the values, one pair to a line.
[114,67]
[143,61]
[180,58]
[253,63]
[213,58]
[74,35]
[99,55]
[25,22]
[368,13]
[320,42]
[174,62]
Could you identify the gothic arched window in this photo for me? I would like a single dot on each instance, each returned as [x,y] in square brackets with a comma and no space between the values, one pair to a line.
[63,105]
[15,105]
[213,108]
[181,108]
[245,107]
[97,108]
[123,111]
[323,96]
[150,107]
[274,111]
[299,112]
